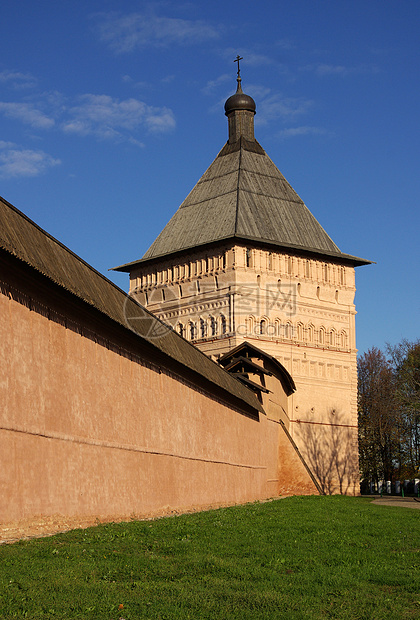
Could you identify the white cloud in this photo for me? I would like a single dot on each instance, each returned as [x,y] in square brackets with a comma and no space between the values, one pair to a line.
[258,92]
[213,85]
[6,145]
[301,131]
[109,118]
[137,84]
[251,59]
[100,116]
[324,69]
[286,44]
[17,80]
[331,70]
[16,161]
[275,106]
[128,32]
[27,113]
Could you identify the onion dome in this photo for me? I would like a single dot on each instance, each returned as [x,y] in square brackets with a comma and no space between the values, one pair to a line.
[239,101]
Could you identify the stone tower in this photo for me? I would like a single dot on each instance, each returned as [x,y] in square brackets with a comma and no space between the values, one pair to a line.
[244,260]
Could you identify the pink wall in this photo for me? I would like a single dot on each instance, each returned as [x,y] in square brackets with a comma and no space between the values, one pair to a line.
[89,429]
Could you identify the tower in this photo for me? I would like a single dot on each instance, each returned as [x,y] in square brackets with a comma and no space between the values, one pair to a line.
[243,260]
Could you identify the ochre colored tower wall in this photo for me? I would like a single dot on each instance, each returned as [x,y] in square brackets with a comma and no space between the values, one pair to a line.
[88,428]
[298,309]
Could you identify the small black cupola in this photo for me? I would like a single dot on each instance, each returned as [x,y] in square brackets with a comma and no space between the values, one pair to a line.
[240,110]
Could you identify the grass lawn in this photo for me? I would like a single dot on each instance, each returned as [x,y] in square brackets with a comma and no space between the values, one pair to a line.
[300,557]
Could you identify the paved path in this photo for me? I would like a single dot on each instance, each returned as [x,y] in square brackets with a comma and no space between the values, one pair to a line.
[395,500]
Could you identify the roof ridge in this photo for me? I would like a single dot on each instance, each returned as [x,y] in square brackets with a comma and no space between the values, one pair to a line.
[255,193]
[200,202]
[235,229]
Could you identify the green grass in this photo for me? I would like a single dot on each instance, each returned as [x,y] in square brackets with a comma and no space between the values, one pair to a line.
[301,557]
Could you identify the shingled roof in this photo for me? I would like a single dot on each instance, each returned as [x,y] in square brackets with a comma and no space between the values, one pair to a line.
[21,238]
[243,196]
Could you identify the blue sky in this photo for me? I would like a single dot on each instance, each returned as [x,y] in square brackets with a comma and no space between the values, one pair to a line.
[111,111]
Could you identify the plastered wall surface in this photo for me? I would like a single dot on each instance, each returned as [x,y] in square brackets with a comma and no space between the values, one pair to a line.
[88,429]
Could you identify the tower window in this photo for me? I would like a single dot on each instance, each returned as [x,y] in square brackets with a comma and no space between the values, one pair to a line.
[203,328]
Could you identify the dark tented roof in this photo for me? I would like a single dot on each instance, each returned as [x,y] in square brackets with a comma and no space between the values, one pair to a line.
[23,239]
[243,195]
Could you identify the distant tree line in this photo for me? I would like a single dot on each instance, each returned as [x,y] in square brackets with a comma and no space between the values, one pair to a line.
[389,413]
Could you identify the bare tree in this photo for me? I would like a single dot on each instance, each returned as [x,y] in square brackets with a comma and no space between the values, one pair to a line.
[405,359]
[380,422]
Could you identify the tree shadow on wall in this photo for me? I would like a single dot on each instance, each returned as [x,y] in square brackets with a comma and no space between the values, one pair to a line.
[330,450]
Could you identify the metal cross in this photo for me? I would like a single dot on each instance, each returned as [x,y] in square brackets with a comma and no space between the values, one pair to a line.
[237,59]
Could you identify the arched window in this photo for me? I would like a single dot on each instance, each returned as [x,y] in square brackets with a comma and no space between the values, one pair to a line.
[193,331]
[321,335]
[250,325]
[180,329]
[223,328]
[203,328]
[299,330]
[332,337]
[249,258]
[213,326]
[343,339]
[263,326]
[288,330]
[310,332]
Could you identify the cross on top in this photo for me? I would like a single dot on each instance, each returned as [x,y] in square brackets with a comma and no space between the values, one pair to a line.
[237,59]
